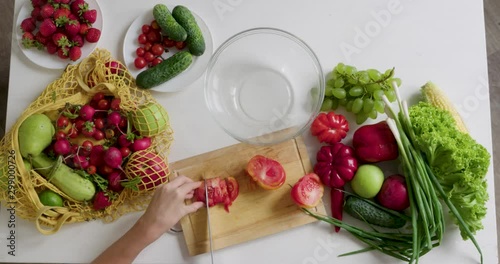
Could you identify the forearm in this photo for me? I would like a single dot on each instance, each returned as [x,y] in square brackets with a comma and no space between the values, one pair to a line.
[126,249]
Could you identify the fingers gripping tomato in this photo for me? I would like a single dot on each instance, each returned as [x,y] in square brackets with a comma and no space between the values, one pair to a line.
[268,173]
[308,191]
[336,165]
[220,191]
[329,127]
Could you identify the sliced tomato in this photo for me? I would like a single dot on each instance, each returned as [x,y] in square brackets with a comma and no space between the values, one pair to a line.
[220,191]
[308,191]
[268,173]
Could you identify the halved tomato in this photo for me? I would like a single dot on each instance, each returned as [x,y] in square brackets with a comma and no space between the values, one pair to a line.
[268,173]
[308,191]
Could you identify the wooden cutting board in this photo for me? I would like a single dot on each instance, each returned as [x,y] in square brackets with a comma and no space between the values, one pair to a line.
[256,212]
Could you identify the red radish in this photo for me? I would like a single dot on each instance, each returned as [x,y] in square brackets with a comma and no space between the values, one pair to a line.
[87,145]
[98,97]
[114,67]
[101,201]
[394,193]
[125,152]
[62,122]
[105,170]
[80,162]
[97,156]
[62,147]
[99,123]
[114,181]
[114,118]
[60,135]
[123,141]
[149,167]
[75,149]
[141,144]
[89,129]
[87,112]
[113,157]
[98,135]
[115,104]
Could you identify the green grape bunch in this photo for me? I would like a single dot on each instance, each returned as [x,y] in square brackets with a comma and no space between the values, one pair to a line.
[359,92]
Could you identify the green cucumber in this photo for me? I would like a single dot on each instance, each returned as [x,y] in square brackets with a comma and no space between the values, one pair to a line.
[164,71]
[168,24]
[195,41]
[63,177]
[373,214]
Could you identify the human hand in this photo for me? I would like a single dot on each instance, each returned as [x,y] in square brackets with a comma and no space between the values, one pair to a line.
[167,206]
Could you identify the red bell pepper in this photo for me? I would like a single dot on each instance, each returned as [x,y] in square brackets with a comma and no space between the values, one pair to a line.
[375,143]
[329,127]
[337,204]
[336,165]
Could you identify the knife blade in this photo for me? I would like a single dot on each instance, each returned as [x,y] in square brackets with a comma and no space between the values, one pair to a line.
[208,222]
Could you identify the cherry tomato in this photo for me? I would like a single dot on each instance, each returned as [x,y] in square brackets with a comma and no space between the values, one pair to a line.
[98,135]
[140,63]
[62,122]
[142,39]
[99,123]
[75,149]
[157,49]
[89,131]
[155,25]
[140,52]
[168,43]
[268,173]
[145,28]
[152,36]
[109,133]
[115,104]
[156,61]
[91,169]
[125,152]
[123,123]
[147,46]
[79,124]
[98,96]
[87,145]
[180,45]
[149,57]
[60,135]
[105,169]
[103,104]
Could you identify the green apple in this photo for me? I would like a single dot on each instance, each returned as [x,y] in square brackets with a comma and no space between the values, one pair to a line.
[35,134]
[150,119]
[367,181]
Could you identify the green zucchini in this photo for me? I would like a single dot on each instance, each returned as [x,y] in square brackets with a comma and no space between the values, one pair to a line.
[373,214]
[168,24]
[63,177]
[164,71]
[195,41]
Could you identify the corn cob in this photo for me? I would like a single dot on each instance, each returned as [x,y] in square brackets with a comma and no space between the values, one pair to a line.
[436,97]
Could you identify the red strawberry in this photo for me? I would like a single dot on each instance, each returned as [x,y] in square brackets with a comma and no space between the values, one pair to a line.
[93,35]
[75,53]
[41,38]
[28,24]
[78,7]
[28,40]
[84,28]
[47,27]
[63,52]
[60,40]
[61,16]
[89,16]
[38,3]
[36,14]
[72,16]
[47,11]
[51,47]
[77,40]
[72,28]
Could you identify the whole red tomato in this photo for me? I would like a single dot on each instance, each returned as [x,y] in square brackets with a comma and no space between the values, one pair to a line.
[330,127]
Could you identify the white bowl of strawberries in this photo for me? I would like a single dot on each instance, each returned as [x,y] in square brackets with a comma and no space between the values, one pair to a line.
[54,33]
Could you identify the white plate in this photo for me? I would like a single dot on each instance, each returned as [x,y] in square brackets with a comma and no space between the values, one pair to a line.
[42,57]
[191,74]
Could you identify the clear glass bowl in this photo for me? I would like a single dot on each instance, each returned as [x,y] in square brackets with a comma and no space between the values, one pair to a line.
[264,86]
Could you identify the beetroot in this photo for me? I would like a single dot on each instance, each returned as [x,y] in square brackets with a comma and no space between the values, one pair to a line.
[114,181]
[141,144]
[150,168]
[113,158]
[101,201]
[394,193]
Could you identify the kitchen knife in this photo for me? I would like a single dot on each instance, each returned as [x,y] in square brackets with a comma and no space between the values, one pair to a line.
[208,222]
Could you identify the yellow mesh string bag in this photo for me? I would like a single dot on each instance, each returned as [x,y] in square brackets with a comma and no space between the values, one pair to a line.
[20,183]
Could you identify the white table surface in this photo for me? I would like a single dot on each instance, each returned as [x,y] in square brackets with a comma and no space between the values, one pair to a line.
[442,41]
